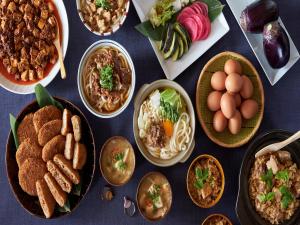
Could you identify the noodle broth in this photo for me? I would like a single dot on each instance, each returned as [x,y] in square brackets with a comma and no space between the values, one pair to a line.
[106,79]
[164,124]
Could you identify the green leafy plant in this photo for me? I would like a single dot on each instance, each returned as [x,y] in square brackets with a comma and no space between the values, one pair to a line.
[106,77]
[154,33]
[161,12]
[43,97]
[154,196]
[268,178]
[65,208]
[266,197]
[287,197]
[201,177]
[215,8]
[103,4]
[14,127]
[282,175]
[169,112]
[121,165]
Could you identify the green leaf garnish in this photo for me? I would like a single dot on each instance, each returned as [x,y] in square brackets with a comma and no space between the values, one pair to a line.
[169,112]
[121,165]
[43,97]
[282,175]
[14,127]
[154,33]
[215,8]
[268,178]
[266,197]
[287,197]
[65,208]
[103,4]
[76,190]
[106,77]
[201,177]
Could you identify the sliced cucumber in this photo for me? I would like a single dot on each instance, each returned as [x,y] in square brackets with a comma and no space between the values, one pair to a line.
[172,46]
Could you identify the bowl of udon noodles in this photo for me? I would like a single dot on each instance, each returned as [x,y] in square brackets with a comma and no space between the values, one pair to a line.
[164,123]
[106,78]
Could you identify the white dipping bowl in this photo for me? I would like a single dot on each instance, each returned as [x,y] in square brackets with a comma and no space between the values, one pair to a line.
[114,28]
[28,89]
[83,60]
[141,96]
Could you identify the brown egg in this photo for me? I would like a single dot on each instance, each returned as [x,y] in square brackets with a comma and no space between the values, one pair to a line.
[213,101]
[228,106]
[249,108]
[238,100]
[234,83]
[219,122]
[235,123]
[247,89]
[218,80]
[232,66]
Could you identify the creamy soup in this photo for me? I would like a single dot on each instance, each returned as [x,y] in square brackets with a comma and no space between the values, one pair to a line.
[154,196]
[117,161]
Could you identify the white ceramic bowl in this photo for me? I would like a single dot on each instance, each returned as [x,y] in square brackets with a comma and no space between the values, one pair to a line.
[115,27]
[83,60]
[28,89]
[142,94]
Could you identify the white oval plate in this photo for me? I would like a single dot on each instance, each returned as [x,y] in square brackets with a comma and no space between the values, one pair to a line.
[172,69]
[28,89]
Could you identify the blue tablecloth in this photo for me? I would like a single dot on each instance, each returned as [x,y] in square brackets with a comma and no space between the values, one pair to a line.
[282,110]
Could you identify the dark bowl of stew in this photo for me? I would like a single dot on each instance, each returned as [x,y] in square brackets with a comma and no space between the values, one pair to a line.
[245,208]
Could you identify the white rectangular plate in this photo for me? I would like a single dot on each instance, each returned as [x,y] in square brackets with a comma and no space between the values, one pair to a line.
[256,43]
[173,69]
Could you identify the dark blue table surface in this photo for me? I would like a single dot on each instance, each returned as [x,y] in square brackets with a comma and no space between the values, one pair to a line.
[282,110]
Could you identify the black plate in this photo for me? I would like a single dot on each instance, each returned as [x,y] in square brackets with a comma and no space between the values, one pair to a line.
[30,203]
[244,208]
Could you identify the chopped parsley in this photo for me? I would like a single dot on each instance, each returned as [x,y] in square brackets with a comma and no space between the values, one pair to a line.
[201,177]
[121,165]
[287,197]
[266,197]
[282,175]
[154,196]
[106,77]
[268,178]
[103,4]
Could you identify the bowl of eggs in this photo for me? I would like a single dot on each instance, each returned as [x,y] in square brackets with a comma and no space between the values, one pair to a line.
[229,99]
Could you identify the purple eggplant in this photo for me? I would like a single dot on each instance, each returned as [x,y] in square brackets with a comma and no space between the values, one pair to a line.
[276,45]
[257,14]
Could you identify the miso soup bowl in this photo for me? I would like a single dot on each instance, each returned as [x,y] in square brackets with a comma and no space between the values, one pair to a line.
[82,64]
[141,96]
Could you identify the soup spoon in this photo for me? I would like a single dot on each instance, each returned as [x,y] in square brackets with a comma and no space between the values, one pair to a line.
[277,146]
[57,45]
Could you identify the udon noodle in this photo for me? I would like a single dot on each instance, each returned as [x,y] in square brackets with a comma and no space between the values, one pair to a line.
[106,79]
[163,138]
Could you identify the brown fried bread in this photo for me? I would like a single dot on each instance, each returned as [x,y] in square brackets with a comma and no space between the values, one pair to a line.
[76,124]
[60,177]
[66,122]
[30,172]
[26,129]
[59,195]
[48,131]
[46,199]
[28,149]
[54,146]
[69,147]
[45,115]
[80,155]
[66,167]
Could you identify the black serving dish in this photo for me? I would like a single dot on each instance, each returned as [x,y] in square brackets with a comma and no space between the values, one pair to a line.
[244,209]
[31,203]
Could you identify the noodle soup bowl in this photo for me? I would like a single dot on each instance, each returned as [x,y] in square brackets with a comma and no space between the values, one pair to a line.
[141,96]
[94,47]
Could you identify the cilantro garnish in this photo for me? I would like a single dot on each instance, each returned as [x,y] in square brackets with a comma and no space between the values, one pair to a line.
[106,77]
[103,4]
[201,177]
[268,178]
[282,175]
[287,197]
[266,197]
[154,196]
[121,165]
